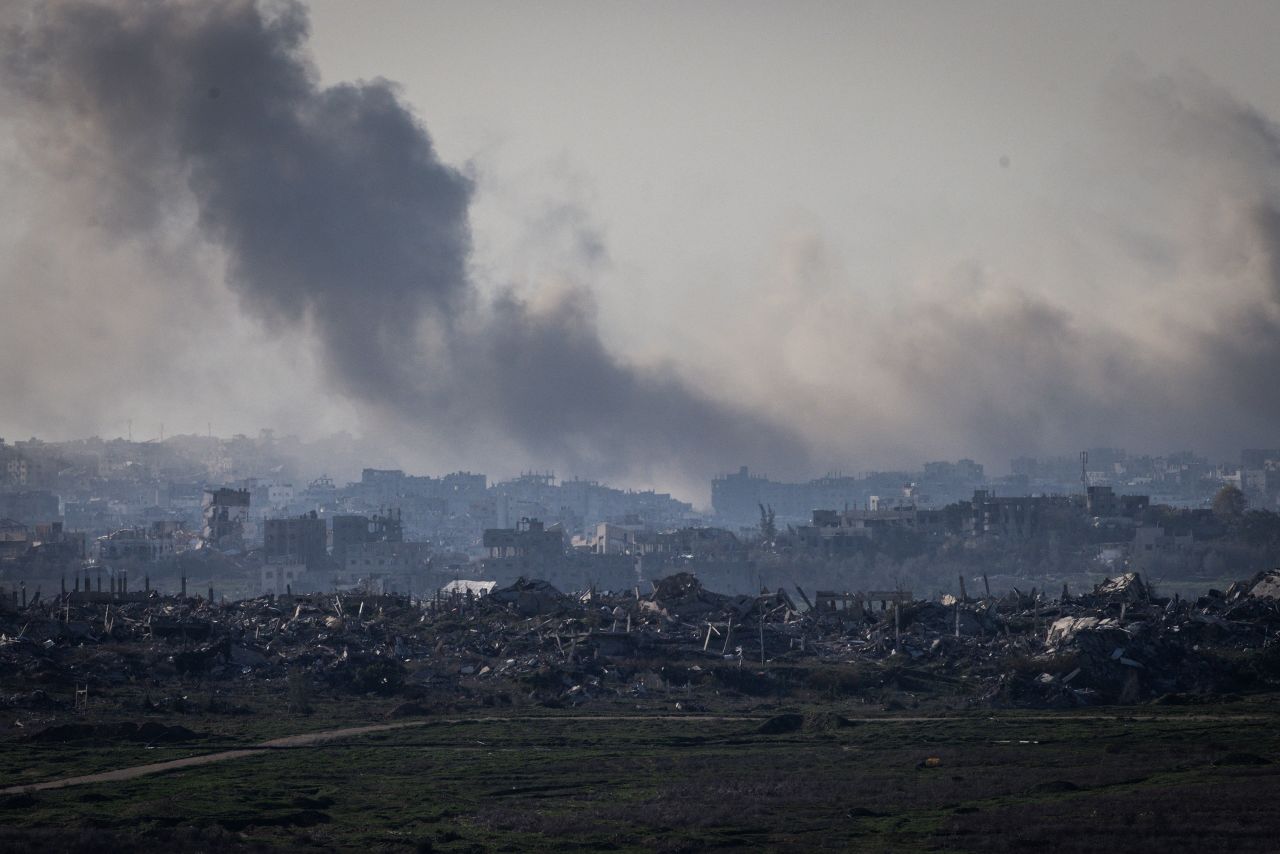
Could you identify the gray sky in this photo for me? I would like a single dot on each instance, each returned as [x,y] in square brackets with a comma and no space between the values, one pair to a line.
[899,230]
[701,137]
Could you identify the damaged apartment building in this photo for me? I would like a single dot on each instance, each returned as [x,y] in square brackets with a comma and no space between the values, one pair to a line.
[371,553]
[618,556]
[295,553]
[529,550]
[1260,477]
[42,547]
[225,512]
[984,517]
[368,553]
[140,544]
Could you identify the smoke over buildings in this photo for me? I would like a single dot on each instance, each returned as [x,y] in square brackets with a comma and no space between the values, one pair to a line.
[336,216]
[183,167]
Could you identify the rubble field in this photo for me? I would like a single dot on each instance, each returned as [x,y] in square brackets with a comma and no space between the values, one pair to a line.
[680,648]
[537,704]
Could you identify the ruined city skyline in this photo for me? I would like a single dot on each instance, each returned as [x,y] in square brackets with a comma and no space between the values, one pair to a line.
[232,213]
[1177,477]
[740,425]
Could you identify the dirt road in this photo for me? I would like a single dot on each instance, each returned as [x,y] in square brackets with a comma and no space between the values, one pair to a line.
[119,774]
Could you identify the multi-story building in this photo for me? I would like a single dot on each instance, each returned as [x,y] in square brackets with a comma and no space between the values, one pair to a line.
[30,506]
[281,578]
[352,530]
[298,539]
[13,467]
[528,549]
[225,513]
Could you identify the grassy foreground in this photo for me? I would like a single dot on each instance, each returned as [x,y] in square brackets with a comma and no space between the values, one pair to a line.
[1150,779]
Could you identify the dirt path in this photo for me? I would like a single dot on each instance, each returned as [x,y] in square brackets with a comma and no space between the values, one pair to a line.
[303,740]
[308,739]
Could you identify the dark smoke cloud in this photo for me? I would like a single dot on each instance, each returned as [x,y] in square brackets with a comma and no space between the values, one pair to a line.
[546,362]
[336,216]
[331,203]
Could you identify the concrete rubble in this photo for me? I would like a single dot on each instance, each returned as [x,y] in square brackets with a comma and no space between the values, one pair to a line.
[678,643]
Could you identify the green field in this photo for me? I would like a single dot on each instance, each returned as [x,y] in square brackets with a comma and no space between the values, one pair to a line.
[1149,779]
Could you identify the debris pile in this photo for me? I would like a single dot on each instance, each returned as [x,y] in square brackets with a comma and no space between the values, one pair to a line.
[678,644]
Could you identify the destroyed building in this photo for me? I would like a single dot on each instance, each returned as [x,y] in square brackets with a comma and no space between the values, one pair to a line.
[834,532]
[298,539]
[134,545]
[736,497]
[225,512]
[577,505]
[282,578]
[528,550]
[1260,477]
[389,565]
[30,506]
[352,530]
[630,537]
[14,539]
[45,547]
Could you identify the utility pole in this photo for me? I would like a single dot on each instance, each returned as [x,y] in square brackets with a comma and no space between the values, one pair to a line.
[897,629]
[762,634]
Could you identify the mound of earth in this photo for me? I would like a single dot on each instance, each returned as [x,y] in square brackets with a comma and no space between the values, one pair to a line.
[814,722]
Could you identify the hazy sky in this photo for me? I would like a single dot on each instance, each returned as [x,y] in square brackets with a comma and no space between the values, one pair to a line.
[701,137]
[811,236]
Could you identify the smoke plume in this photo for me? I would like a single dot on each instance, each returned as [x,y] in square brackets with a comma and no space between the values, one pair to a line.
[336,216]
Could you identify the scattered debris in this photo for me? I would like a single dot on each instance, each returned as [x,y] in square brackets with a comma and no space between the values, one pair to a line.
[529,642]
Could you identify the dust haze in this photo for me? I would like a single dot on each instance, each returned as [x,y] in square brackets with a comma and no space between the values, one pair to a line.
[201,228]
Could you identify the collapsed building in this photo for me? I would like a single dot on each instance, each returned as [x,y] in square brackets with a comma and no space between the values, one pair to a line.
[350,530]
[36,548]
